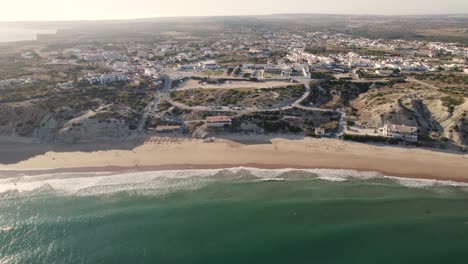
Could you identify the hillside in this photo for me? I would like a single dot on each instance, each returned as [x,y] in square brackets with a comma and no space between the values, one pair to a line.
[438,112]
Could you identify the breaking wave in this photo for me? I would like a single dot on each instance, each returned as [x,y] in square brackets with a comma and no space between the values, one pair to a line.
[164,182]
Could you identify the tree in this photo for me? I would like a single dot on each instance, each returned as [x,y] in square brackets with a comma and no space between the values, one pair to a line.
[237,71]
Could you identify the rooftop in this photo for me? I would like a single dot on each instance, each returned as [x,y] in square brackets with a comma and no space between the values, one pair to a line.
[402,129]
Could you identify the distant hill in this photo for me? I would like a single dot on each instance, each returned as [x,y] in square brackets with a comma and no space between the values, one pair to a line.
[451,28]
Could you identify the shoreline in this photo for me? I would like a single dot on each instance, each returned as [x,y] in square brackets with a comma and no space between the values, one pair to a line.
[276,153]
[115,170]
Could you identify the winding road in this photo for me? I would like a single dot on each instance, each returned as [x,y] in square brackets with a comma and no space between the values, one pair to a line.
[168,84]
[411,79]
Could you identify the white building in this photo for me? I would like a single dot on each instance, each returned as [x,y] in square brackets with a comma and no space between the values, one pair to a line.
[167,129]
[187,67]
[273,69]
[218,121]
[107,78]
[287,72]
[403,132]
[18,81]
[384,72]
[150,72]
[208,65]
[92,57]
[320,131]
[247,66]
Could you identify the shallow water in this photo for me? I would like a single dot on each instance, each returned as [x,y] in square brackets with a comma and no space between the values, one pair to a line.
[232,216]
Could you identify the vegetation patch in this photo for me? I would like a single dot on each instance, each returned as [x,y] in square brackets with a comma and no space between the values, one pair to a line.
[246,97]
[366,138]
[451,102]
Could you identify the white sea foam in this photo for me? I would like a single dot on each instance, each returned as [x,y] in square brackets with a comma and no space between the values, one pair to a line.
[332,179]
[423,183]
[272,179]
[5,228]
[158,182]
[161,182]
[344,175]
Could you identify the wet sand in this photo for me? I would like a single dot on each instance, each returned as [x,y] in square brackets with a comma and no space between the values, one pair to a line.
[170,154]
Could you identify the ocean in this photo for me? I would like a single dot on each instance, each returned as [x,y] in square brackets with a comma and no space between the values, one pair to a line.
[14,33]
[239,215]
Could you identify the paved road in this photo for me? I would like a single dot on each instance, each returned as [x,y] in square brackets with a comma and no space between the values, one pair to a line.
[342,127]
[298,102]
[168,84]
[152,106]
[164,94]
[411,79]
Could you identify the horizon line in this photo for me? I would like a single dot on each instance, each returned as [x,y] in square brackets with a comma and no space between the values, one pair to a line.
[218,16]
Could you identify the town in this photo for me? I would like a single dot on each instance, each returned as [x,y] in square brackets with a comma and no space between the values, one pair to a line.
[242,81]
[201,131]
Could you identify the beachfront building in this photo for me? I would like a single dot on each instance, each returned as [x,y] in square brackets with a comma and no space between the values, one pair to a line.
[320,131]
[209,65]
[218,121]
[403,132]
[167,129]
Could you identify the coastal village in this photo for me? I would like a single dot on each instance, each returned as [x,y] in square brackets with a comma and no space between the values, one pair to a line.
[207,132]
[318,84]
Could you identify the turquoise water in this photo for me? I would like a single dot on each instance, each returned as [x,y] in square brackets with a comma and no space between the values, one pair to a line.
[232,216]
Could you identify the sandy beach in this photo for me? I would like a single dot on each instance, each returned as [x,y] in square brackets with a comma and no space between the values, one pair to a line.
[169,153]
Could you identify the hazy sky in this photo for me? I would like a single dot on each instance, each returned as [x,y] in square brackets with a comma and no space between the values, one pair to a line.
[15,10]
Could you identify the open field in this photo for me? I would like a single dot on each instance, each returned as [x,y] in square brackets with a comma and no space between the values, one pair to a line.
[190,84]
[245,97]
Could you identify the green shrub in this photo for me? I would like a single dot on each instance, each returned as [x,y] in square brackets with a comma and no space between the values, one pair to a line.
[366,138]
[451,101]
